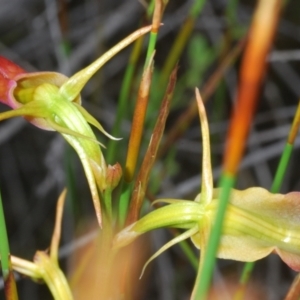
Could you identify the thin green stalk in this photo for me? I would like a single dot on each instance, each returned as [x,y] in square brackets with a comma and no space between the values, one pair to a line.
[157,13]
[284,160]
[231,11]
[107,203]
[124,202]
[181,40]
[150,9]
[208,261]
[4,246]
[8,277]
[196,8]
[151,47]
[189,253]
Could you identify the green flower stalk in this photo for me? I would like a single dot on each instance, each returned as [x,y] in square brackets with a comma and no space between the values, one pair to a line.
[257,222]
[52,101]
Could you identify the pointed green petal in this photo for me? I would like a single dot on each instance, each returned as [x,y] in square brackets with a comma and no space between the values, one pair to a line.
[90,119]
[185,235]
[184,214]
[72,88]
[207,181]
[33,109]
[71,132]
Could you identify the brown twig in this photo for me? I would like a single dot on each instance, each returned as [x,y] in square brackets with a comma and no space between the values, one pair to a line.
[138,122]
[150,156]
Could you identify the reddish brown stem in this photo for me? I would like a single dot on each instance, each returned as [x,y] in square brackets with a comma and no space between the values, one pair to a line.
[150,156]
[252,72]
[138,123]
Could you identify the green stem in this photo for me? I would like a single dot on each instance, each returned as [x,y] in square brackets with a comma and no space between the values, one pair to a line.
[150,9]
[204,277]
[197,8]
[107,203]
[231,11]
[124,202]
[181,41]
[284,160]
[189,253]
[247,272]
[151,47]
[4,247]
[8,277]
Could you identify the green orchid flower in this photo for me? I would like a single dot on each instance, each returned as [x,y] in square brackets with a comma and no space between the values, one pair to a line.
[257,222]
[52,101]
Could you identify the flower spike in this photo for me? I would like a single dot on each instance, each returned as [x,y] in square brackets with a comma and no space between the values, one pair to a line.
[185,235]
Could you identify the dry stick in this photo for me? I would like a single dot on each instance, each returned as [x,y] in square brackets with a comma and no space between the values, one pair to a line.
[138,122]
[191,112]
[143,176]
[150,156]
[131,160]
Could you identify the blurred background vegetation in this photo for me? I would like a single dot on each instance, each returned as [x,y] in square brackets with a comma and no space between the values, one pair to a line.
[65,36]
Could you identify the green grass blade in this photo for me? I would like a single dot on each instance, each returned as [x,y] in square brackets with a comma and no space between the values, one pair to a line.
[156,8]
[151,47]
[284,160]
[124,202]
[181,40]
[189,253]
[150,9]
[7,272]
[4,247]
[203,280]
